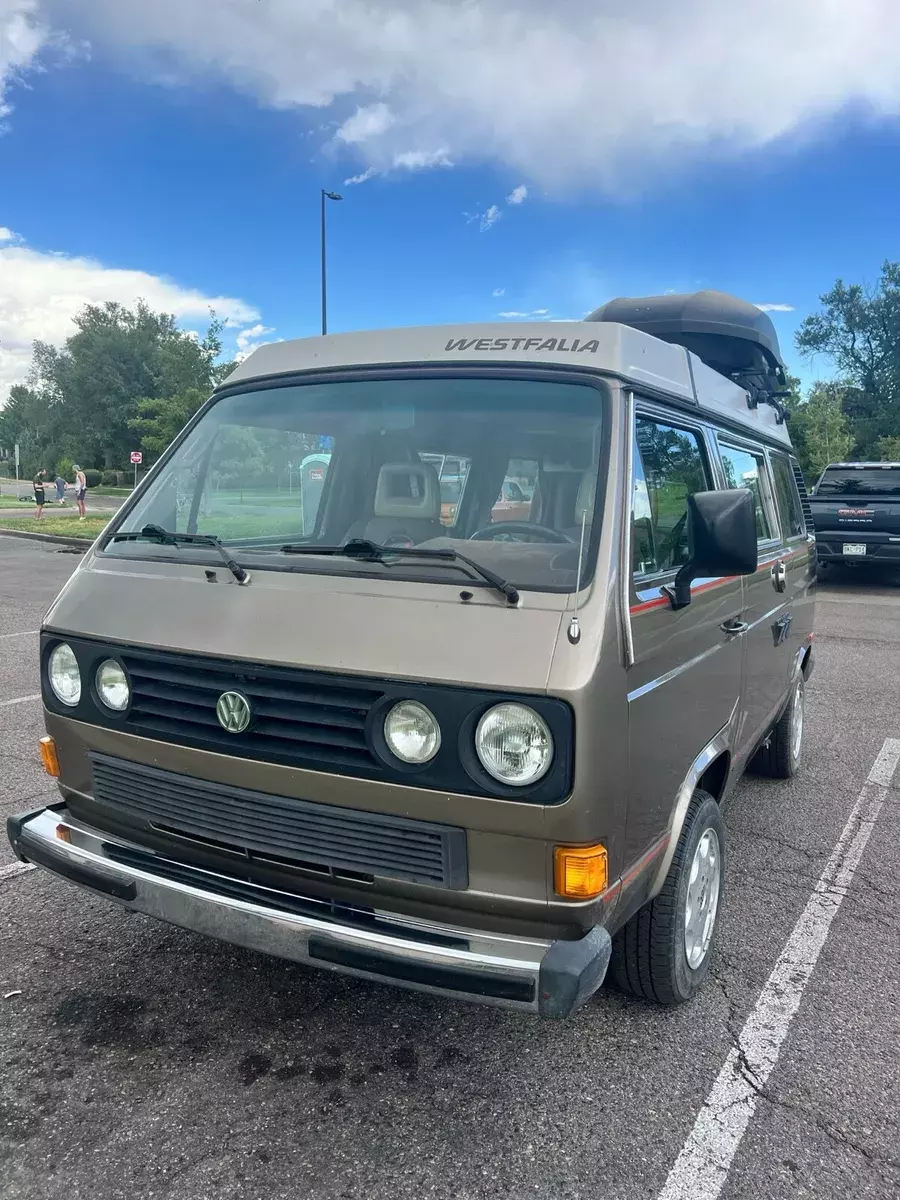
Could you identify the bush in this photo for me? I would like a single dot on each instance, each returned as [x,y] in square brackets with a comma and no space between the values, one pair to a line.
[121,481]
[91,477]
[110,478]
[64,468]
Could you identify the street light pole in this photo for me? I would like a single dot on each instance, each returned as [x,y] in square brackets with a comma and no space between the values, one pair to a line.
[325,196]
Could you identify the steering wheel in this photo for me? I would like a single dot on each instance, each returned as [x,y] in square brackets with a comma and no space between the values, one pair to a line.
[527,530]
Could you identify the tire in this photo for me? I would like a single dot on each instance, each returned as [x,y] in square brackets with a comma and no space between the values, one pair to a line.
[781,754]
[650,954]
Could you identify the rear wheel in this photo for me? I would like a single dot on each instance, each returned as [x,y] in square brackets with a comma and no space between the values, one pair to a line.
[780,756]
[663,953]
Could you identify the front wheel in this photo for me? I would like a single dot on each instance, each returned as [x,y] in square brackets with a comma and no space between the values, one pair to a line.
[663,953]
[779,757]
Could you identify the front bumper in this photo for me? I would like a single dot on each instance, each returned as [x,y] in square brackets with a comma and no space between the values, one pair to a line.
[549,978]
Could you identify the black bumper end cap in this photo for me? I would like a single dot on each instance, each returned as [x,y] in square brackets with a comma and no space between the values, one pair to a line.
[571,972]
[14,825]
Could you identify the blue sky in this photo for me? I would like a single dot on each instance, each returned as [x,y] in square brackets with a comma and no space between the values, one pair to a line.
[184,164]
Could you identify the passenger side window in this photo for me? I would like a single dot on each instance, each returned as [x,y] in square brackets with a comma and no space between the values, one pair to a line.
[669,467]
[788,497]
[746,469]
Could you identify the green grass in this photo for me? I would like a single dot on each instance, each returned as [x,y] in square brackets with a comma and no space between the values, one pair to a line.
[110,491]
[12,502]
[65,526]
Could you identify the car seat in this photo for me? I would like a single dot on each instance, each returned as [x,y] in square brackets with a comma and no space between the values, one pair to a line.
[407,507]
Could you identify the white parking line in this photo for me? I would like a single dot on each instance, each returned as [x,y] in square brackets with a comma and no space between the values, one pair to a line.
[13,869]
[24,633]
[20,700]
[702,1167]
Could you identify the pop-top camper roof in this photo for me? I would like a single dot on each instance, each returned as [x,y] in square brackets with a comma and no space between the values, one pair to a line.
[730,335]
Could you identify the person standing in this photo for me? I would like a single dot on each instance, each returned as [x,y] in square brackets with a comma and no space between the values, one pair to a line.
[39,497]
[80,490]
[61,486]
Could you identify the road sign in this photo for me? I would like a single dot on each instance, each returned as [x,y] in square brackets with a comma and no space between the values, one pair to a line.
[137,457]
[17,458]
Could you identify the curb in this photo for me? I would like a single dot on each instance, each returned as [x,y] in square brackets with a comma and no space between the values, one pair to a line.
[53,538]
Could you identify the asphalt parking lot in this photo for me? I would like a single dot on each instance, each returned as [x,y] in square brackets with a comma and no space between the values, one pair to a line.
[140,1060]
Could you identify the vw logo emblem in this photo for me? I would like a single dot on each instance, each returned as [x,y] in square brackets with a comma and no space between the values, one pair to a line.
[233,711]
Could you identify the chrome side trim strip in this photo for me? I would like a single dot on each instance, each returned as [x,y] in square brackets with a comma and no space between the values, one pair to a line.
[625,562]
[674,673]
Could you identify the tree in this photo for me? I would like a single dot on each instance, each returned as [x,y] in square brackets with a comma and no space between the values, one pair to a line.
[818,426]
[120,366]
[859,329]
[159,421]
[888,449]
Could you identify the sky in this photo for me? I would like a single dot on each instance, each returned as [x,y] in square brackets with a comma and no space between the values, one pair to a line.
[497,159]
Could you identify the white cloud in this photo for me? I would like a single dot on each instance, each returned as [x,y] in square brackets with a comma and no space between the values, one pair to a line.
[498,292]
[251,339]
[366,123]
[421,160]
[40,292]
[363,178]
[524,316]
[548,90]
[22,36]
[7,235]
[518,195]
[489,217]
[775,307]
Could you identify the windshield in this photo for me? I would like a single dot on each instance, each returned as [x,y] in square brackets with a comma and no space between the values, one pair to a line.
[501,470]
[860,481]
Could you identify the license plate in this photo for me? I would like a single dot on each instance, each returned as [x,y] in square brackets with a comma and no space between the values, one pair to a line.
[854,549]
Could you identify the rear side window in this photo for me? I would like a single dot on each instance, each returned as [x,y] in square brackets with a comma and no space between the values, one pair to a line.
[747,469]
[788,498]
[669,467]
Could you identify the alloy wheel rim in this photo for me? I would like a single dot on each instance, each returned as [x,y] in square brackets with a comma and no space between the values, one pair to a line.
[702,901]
[797,722]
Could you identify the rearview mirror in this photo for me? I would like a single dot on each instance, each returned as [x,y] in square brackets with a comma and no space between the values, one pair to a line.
[721,530]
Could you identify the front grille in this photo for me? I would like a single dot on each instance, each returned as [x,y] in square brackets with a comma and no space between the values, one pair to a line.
[293,831]
[298,718]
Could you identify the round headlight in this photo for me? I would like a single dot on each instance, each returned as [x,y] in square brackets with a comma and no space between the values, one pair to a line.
[112,685]
[514,744]
[412,733]
[64,676]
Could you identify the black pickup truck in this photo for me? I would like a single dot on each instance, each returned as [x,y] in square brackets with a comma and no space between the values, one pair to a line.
[856,513]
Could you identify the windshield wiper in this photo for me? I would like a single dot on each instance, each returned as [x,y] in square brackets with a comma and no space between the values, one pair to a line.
[366,551]
[167,537]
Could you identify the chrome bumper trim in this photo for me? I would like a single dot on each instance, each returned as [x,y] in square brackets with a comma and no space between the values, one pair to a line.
[492,969]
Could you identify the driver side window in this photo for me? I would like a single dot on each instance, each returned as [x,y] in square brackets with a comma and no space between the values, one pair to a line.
[669,466]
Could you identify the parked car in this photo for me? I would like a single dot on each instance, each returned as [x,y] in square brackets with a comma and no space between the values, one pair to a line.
[486,761]
[856,512]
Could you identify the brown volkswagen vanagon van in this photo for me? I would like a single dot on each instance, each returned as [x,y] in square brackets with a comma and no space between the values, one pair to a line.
[289,707]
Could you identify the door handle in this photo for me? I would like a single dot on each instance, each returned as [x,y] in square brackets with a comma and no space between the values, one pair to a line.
[779,576]
[734,627]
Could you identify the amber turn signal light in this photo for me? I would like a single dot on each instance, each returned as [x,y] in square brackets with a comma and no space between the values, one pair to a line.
[49,757]
[580,872]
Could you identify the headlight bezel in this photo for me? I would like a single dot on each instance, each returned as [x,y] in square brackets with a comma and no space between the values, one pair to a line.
[105,707]
[395,755]
[481,756]
[56,649]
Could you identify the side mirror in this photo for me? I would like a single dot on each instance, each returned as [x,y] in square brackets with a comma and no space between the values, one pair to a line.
[721,540]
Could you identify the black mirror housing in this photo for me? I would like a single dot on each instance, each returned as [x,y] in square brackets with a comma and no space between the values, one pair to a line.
[721,539]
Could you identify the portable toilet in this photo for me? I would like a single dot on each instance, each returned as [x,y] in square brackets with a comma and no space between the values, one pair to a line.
[313,470]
